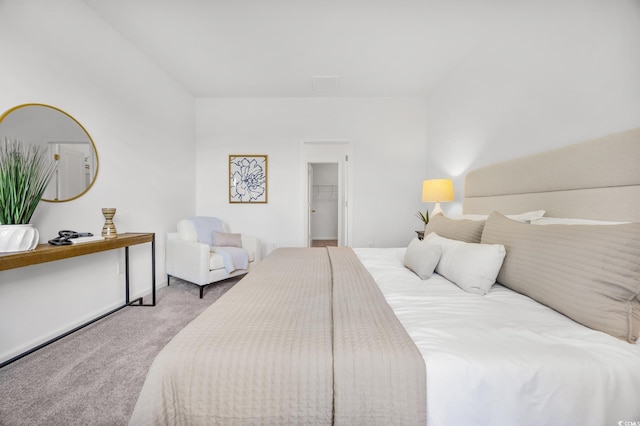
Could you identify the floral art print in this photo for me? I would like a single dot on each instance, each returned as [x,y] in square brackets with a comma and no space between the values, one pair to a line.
[247,178]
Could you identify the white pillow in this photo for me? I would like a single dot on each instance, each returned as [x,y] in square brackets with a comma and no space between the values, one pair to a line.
[570,221]
[522,217]
[422,258]
[472,267]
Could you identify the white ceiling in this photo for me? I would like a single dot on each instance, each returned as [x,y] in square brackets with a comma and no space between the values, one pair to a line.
[266,48]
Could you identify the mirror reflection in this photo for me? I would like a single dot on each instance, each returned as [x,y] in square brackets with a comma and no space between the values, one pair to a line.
[64,138]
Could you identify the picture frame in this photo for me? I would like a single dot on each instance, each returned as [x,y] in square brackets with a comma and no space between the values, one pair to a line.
[248,176]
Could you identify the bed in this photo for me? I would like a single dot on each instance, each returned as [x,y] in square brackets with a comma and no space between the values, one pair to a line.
[342,336]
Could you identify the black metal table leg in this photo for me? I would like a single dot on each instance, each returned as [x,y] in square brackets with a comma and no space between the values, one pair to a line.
[126,275]
[153,271]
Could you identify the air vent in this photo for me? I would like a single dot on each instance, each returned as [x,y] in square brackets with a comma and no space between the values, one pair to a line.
[326,83]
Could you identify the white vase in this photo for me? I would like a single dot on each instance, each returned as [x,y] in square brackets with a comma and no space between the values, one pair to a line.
[18,238]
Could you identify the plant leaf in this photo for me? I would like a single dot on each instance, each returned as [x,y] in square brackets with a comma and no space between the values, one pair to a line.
[25,172]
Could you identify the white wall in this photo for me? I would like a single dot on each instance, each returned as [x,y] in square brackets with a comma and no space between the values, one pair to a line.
[389,150]
[552,74]
[60,53]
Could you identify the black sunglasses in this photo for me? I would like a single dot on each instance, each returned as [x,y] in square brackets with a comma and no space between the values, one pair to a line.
[64,237]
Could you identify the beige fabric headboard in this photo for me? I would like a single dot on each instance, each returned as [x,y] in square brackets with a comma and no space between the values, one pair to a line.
[597,179]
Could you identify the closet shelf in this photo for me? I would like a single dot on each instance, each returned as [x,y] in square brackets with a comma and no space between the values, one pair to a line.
[325,192]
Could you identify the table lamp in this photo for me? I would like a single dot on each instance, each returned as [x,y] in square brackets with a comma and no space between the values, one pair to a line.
[437,191]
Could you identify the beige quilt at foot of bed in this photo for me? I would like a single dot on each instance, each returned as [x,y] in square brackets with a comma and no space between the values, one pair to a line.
[306,338]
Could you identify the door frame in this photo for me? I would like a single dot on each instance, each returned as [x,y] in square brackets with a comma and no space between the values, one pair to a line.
[328,150]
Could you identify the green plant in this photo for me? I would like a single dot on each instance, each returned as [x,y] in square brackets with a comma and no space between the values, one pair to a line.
[25,172]
[423,217]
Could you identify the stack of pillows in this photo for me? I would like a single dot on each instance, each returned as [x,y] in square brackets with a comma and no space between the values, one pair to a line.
[586,270]
[452,248]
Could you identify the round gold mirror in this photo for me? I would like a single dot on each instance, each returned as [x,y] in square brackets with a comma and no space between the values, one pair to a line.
[64,138]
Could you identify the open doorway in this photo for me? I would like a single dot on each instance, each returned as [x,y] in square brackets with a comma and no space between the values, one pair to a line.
[327,189]
[324,204]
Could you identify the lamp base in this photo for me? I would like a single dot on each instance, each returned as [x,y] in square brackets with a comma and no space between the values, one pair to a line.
[437,210]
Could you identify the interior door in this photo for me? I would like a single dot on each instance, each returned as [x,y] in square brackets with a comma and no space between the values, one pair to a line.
[309,202]
[71,172]
[71,176]
[321,152]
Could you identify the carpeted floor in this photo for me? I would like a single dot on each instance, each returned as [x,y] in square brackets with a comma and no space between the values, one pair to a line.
[94,376]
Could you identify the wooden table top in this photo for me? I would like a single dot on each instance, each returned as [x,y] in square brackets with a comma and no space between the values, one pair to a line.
[48,253]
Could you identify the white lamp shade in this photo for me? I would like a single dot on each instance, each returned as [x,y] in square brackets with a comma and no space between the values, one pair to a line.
[437,190]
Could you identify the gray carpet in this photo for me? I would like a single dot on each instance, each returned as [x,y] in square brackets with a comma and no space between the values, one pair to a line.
[94,376]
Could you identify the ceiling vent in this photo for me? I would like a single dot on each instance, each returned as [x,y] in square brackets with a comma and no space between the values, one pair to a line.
[326,83]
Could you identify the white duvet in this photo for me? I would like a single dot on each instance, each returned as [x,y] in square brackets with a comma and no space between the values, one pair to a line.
[504,359]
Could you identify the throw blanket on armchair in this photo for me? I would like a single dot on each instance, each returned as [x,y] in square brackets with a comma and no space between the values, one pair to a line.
[233,257]
[205,226]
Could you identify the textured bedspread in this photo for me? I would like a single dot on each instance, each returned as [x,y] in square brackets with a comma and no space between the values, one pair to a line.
[379,372]
[292,343]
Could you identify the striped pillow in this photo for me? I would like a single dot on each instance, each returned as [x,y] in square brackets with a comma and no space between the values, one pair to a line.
[469,231]
[589,273]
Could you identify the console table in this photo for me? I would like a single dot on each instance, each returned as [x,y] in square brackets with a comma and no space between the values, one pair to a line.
[48,253]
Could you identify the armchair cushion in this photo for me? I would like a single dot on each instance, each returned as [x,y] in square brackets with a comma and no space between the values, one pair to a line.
[186,231]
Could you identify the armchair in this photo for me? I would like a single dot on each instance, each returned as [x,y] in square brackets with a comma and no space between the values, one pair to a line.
[194,261]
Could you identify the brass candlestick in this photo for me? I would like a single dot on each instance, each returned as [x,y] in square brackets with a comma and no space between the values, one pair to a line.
[109,229]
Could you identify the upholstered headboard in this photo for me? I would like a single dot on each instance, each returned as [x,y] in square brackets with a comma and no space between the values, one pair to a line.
[597,179]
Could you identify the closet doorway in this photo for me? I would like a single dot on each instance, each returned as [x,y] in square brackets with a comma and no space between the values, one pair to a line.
[323,220]
[327,191]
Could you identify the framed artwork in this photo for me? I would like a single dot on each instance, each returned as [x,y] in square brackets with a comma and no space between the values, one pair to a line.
[248,178]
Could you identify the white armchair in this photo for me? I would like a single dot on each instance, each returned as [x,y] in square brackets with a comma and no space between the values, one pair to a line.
[193,261]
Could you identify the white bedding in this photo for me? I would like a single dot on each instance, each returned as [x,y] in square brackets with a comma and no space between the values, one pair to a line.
[504,359]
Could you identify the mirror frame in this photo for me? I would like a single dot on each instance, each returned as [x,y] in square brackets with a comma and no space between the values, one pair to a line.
[93,145]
